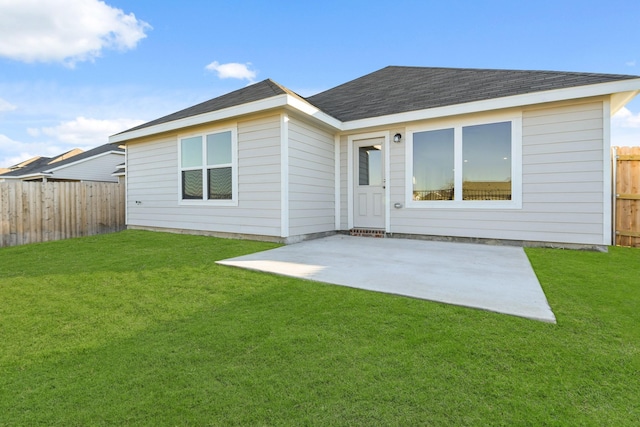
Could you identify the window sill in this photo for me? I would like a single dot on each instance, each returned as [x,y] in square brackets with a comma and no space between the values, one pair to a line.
[208,203]
[465,204]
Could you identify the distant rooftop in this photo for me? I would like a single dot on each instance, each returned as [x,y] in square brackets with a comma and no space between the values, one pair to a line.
[38,165]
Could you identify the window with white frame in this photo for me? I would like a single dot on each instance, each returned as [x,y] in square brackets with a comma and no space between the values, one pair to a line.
[207,166]
[464,164]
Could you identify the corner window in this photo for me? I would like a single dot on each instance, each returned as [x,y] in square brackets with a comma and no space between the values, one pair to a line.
[465,165]
[208,167]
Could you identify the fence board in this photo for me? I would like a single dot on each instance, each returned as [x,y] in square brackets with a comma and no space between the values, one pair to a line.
[627,203]
[43,211]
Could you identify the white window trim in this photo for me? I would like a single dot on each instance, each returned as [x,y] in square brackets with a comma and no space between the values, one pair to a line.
[457,124]
[234,168]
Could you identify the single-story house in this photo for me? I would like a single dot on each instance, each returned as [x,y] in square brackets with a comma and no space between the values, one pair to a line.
[479,154]
[96,164]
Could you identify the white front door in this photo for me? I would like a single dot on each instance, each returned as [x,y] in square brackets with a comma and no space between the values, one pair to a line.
[368,182]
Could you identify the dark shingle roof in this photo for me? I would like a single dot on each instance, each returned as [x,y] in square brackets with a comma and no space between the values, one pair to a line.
[255,92]
[44,164]
[394,89]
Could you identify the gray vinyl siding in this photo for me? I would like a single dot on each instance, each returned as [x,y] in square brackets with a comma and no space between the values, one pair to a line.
[311,179]
[153,180]
[98,168]
[562,185]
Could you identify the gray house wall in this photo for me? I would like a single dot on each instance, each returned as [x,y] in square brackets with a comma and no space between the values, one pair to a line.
[311,179]
[153,198]
[563,196]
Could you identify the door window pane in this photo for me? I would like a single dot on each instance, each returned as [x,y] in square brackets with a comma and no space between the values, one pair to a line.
[219,183]
[370,165]
[219,149]
[433,165]
[486,168]
[191,152]
[192,184]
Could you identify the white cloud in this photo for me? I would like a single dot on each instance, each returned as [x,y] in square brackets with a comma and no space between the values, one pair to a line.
[66,31]
[233,70]
[625,128]
[631,63]
[84,131]
[13,152]
[6,106]
[626,119]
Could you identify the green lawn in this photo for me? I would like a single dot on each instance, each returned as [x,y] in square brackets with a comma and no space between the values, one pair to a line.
[140,328]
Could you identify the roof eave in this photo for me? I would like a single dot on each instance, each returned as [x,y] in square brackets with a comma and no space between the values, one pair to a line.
[278,101]
[628,89]
[66,165]
[28,176]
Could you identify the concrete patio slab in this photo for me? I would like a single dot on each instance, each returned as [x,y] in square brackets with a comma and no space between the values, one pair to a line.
[494,278]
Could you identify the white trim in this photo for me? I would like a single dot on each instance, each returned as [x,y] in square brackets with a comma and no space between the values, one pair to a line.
[336,153]
[66,165]
[313,111]
[350,171]
[33,175]
[277,101]
[620,99]
[126,186]
[614,192]
[497,103]
[234,167]
[607,199]
[350,140]
[457,124]
[387,183]
[287,100]
[225,113]
[284,175]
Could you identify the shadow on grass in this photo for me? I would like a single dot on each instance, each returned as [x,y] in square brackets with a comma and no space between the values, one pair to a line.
[129,250]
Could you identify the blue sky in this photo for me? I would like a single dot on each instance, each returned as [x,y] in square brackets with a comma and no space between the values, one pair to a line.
[72,72]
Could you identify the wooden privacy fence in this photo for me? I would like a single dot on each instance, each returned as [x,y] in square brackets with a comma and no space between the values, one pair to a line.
[627,196]
[42,211]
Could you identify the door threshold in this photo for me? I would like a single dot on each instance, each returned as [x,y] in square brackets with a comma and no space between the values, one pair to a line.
[367,232]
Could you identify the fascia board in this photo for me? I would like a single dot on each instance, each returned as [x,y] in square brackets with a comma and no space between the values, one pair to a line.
[313,111]
[32,175]
[226,113]
[498,103]
[66,165]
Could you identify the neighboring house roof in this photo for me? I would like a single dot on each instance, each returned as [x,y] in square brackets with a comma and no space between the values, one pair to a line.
[396,90]
[120,170]
[46,165]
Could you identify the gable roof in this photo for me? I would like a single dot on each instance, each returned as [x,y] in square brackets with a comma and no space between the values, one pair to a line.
[255,92]
[390,91]
[393,89]
[44,165]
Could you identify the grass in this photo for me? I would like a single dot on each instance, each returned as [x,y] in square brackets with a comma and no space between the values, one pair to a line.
[140,328]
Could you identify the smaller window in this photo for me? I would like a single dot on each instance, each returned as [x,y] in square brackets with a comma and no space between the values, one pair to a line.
[208,167]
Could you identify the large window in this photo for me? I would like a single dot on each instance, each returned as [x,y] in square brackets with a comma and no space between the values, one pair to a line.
[207,167]
[464,165]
